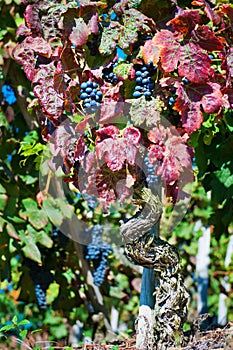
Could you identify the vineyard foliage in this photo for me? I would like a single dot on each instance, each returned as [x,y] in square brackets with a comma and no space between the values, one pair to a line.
[51,54]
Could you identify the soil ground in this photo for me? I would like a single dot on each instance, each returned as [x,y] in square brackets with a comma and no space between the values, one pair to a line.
[217,339]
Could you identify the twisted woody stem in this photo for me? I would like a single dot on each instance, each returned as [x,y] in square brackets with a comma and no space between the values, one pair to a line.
[145,249]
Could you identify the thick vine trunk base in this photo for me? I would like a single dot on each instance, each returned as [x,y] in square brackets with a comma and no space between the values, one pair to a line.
[171,297]
[161,327]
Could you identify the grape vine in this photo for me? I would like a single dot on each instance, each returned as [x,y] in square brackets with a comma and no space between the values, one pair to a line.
[177,65]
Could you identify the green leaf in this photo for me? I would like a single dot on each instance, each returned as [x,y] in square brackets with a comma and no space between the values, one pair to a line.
[2,189]
[66,209]
[37,217]
[229,120]
[23,334]
[54,214]
[122,70]
[31,251]
[28,179]
[44,239]
[11,231]
[29,204]
[30,248]
[17,220]
[3,121]
[59,331]
[23,322]
[15,319]
[3,201]
[109,38]
[225,176]
[2,223]
[7,328]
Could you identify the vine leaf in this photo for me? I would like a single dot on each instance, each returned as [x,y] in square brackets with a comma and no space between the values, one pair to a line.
[145,113]
[169,153]
[32,18]
[53,212]
[110,38]
[26,53]
[204,36]
[11,231]
[50,100]
[194,97]
[189,58]
[126,34]
[37,217]
[29,239]
[116,150]
[185,22]
[79,33]
[123,70]
[150,52]
[50,21]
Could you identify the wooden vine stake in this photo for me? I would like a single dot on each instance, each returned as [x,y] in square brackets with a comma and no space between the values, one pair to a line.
[159,326]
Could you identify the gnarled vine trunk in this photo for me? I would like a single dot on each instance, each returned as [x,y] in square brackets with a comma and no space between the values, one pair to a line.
[164,323]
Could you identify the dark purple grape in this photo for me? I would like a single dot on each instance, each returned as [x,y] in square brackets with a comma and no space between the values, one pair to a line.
[137,94]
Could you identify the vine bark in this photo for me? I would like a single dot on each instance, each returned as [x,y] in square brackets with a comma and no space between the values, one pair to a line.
[146,249]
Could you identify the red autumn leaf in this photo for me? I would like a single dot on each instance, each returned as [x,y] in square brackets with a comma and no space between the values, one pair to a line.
[212,101]
[150,52]
[59,84]
[115,150]
[50,100]
[229,66]
[228,98]
[25,53]
[106,132]
[132,135]
[194,64]
[112,104]
[109,186]
[228,10]
[186,52]
[79,33]
[93,23]
[169,45]
[169,153]
[210,13]
[192,97]
[186,21]
[23,30]
[205,37]
[32,19]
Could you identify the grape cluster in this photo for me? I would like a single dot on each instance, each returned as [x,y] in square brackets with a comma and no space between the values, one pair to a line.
[151,178]
[91,96]
[109,75]
[90,200]
[40,296]
[144,81]
[99,273]
[98,250]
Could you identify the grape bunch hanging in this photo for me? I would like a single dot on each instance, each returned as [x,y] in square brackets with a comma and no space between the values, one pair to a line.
[98,251]
[109,76]
[91,96]
[40,296]
[144,81]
